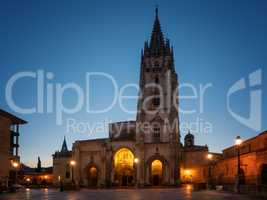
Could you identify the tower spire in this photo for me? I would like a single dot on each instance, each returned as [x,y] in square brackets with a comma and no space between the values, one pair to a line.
[157,11]
[64,146]
[157,39]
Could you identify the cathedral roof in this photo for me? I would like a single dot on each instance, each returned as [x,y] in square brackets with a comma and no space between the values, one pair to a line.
[196,148]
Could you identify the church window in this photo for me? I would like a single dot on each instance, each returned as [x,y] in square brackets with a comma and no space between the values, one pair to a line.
[156,133]
[156,67]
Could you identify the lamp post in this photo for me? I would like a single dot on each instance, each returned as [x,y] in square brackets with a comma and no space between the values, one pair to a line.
[238,142]
[136,161]
[209,157]
[72,163]
[16,165]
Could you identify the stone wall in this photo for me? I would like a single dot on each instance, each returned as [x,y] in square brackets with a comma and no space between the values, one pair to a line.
[61,166]
[4,150]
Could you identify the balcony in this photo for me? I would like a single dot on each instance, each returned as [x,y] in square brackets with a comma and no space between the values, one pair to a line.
[14,133]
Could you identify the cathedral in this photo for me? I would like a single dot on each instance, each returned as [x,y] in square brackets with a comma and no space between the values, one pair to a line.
[145,152]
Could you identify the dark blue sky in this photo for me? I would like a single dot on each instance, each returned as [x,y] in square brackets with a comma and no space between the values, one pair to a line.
[214,41]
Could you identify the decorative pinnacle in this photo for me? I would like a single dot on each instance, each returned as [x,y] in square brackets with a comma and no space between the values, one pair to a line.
[157,11]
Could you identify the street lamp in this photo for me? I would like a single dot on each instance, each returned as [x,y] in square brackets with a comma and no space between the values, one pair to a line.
[72,163]
[16,165]
[136,161]
[210,158]
[238,142]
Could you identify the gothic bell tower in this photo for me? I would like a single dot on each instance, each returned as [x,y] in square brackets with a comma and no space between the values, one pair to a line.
[157,116]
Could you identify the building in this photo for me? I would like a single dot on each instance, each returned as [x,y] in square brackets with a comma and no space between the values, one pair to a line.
[195,164]
[61,164]
[253,163]
[144,152]
[9,146]
[38,176]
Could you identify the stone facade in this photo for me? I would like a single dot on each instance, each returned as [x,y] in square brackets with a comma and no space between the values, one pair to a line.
[253,157]
[9,146]
[142,152]
[41,176]
[195,164]
[61,165]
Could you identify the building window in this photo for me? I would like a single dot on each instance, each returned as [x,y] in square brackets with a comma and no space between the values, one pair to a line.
[156,69]
[204,173]
[263,174]
[226,169]
[156,133]
[67,171]
[156,101]
[156,80]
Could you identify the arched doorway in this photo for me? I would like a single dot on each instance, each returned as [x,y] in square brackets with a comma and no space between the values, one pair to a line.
[92,176]
[242,180]
[156,172]
[124,167]
[264,174]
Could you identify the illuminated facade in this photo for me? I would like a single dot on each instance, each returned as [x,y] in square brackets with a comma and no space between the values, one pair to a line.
[9,147]
[142,152]
[253,157]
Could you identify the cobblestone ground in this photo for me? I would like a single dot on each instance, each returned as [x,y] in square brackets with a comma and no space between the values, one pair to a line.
[123,194]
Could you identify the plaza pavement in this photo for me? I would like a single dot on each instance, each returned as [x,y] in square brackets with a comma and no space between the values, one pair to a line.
[123,194]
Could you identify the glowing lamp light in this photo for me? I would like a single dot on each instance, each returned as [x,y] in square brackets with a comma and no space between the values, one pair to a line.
[136,160]
[45,176]
[27,189]
[238,141]
[15,164]
[28,179]
[188,172]
[209,156]
[72,162]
